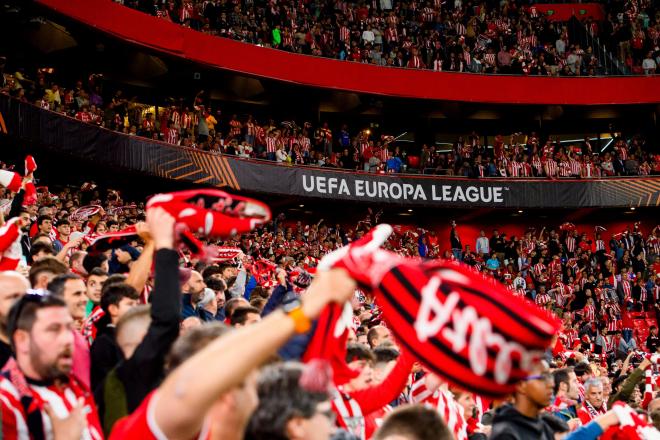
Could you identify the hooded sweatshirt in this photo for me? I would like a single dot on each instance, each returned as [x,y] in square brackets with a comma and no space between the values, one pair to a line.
[509,423]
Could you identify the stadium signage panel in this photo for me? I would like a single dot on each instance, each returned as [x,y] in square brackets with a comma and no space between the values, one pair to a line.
[396,191]
[31,125]
[441,191]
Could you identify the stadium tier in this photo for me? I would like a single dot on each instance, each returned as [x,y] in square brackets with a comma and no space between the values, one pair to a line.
[329,220]
[165,37]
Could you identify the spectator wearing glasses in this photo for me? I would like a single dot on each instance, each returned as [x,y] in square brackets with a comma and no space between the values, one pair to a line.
[53,402]
[524,419]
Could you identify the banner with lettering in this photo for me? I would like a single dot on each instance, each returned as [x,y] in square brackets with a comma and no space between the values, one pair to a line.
[411,190]
[30,124]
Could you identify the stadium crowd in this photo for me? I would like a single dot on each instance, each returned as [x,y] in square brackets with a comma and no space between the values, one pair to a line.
[199,125]
[511,37]
[95,343]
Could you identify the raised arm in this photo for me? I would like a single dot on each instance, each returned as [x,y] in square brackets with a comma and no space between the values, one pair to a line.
[149,356]
[182,401]
[139,273]
[374,398]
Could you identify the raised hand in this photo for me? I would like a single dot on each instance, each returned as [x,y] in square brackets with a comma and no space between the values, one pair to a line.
[161,227]
[70,427]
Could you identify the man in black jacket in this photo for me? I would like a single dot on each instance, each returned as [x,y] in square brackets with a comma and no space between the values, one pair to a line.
[523,419]
[116,299]
[145,337]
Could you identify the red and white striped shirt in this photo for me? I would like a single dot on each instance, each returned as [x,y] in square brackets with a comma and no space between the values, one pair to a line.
[589,312]
[444,402]
[428,15]
[623,152]
[564,168]
[575,167]
[271,144]
[175,118]
[250,128]
[627,290]
[551,168]
[538,268]
[304,142]
[363,147]
[542,299]
[570,244]
[172,136]
[643,294]
[61,400]
[349,415]
[344,34]
[415,62]
[391,35]
[613,324]
[467,57]
[514,169]
[186,11]
[528,41]
[554,267]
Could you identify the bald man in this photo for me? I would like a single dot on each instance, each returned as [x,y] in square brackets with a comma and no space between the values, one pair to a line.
[12,286]
[378,335]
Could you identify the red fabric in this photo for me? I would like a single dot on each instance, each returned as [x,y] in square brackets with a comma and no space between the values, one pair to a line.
[633,428]
[61,399]
[30,194]
[374,420]
[167,37]
[458,310]
[30,164]
[326,346]
[212,213]
[10,245]
[10,180]
[136,425]
[374,398]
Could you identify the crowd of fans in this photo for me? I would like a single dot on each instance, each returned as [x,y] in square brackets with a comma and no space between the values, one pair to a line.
[95,343]
[199,125]
[511,37]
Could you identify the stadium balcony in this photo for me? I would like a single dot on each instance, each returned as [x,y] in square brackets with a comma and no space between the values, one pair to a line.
[29,124]
[169,39]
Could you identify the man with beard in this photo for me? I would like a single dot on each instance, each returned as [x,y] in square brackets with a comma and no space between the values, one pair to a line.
[40,397]
[593,405]
[193,292]
[71,288]
[12,286]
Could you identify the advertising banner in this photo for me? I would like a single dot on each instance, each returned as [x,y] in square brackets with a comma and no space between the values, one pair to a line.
[69,136]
